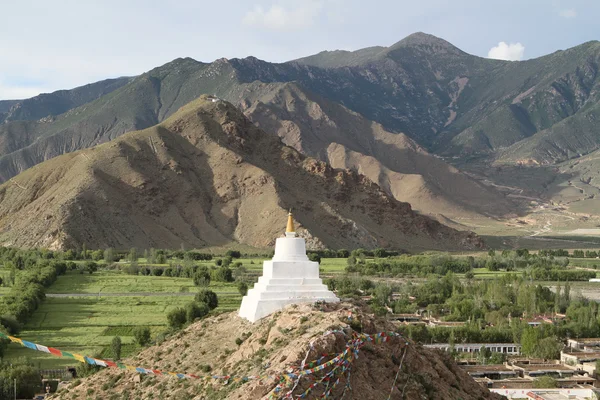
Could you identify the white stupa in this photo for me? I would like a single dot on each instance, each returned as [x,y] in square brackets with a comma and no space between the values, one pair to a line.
[289,278]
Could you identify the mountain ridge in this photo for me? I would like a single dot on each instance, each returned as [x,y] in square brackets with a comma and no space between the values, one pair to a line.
[206,176]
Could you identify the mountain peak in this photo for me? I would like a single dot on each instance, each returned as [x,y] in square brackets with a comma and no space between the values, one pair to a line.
[424,40]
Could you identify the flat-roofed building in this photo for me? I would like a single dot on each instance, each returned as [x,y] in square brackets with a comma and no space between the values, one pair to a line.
[505,348]
[579,357]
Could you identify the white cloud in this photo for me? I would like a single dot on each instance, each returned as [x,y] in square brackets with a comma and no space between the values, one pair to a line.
[509,52]
[278,17]
[568,13]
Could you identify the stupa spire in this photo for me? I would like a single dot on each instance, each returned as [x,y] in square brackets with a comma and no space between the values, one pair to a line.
[290,223]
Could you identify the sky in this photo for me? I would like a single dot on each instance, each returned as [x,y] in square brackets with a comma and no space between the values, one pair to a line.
[60,44]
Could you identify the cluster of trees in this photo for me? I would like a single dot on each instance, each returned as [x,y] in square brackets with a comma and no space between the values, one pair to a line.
[418,265]
[28,292]
[536,266]
[204,301]
[548,273]
[29,381]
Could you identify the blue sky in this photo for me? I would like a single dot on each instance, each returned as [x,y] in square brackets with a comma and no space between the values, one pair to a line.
[50,45]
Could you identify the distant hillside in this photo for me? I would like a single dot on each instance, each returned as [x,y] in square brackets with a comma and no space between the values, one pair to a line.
[52,104]
[332,133]
[434,97]
[205,176]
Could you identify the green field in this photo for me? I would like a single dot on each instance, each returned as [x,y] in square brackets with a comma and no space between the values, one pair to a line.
[86,324]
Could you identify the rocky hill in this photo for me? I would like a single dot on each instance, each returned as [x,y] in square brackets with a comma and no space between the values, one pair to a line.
[205,176]
[277,345]
[330,132]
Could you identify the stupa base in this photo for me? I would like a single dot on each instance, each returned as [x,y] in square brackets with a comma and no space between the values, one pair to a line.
[258,304]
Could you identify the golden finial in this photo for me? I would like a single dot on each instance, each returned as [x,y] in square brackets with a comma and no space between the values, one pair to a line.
[290,223]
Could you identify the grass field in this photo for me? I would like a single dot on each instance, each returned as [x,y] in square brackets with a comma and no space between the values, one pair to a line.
[87,324]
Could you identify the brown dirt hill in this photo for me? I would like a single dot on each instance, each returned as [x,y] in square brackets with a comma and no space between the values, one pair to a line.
[276,345]
[332,133]
[205,177]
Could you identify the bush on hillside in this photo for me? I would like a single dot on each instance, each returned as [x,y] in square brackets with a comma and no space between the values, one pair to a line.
[207,297]
[195,310]
[141,335]
[176,318]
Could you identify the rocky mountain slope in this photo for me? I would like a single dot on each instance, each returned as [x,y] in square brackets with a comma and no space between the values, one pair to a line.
[448,102]
[277,345]
[330,132]
[205,176]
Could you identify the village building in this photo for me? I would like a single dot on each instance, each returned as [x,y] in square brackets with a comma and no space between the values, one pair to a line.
[505,348]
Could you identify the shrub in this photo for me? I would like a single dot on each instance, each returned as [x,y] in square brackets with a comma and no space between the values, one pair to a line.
[133,268]
[201,277]
[343,253]
[314,257]
[115,347]
[157,271]
[242,288]
[195,310]
[141,335]
[176,318]
[90,267]
[233,254]
[10,323]
[207,297]
[222,274]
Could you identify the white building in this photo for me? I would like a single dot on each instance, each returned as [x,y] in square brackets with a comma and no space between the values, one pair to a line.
[506,348]
[289,278]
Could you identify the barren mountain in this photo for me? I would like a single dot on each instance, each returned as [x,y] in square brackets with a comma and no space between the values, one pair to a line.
[446,101]
[330,132]
[205,176]
[277,345]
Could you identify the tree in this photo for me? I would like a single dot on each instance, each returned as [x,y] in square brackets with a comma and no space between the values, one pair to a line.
[133,255]
[222,274]
[233,253]
[28,378]
[141,335]
[529,341]
[242,288]
[109,255]
[195,310]
[176,318]
[207,297]
[380,253]
[115,347]
[91,267]
[544,382]
[549,348]
[343,253]
[97,255]
[201,277]
[383,293]
[314,257]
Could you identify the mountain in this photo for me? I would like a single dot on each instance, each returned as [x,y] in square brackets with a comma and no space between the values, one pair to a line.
[51,104]
[407,172]
[205,176]
[396,369]
[411,104]
[332,133]
[448,101]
